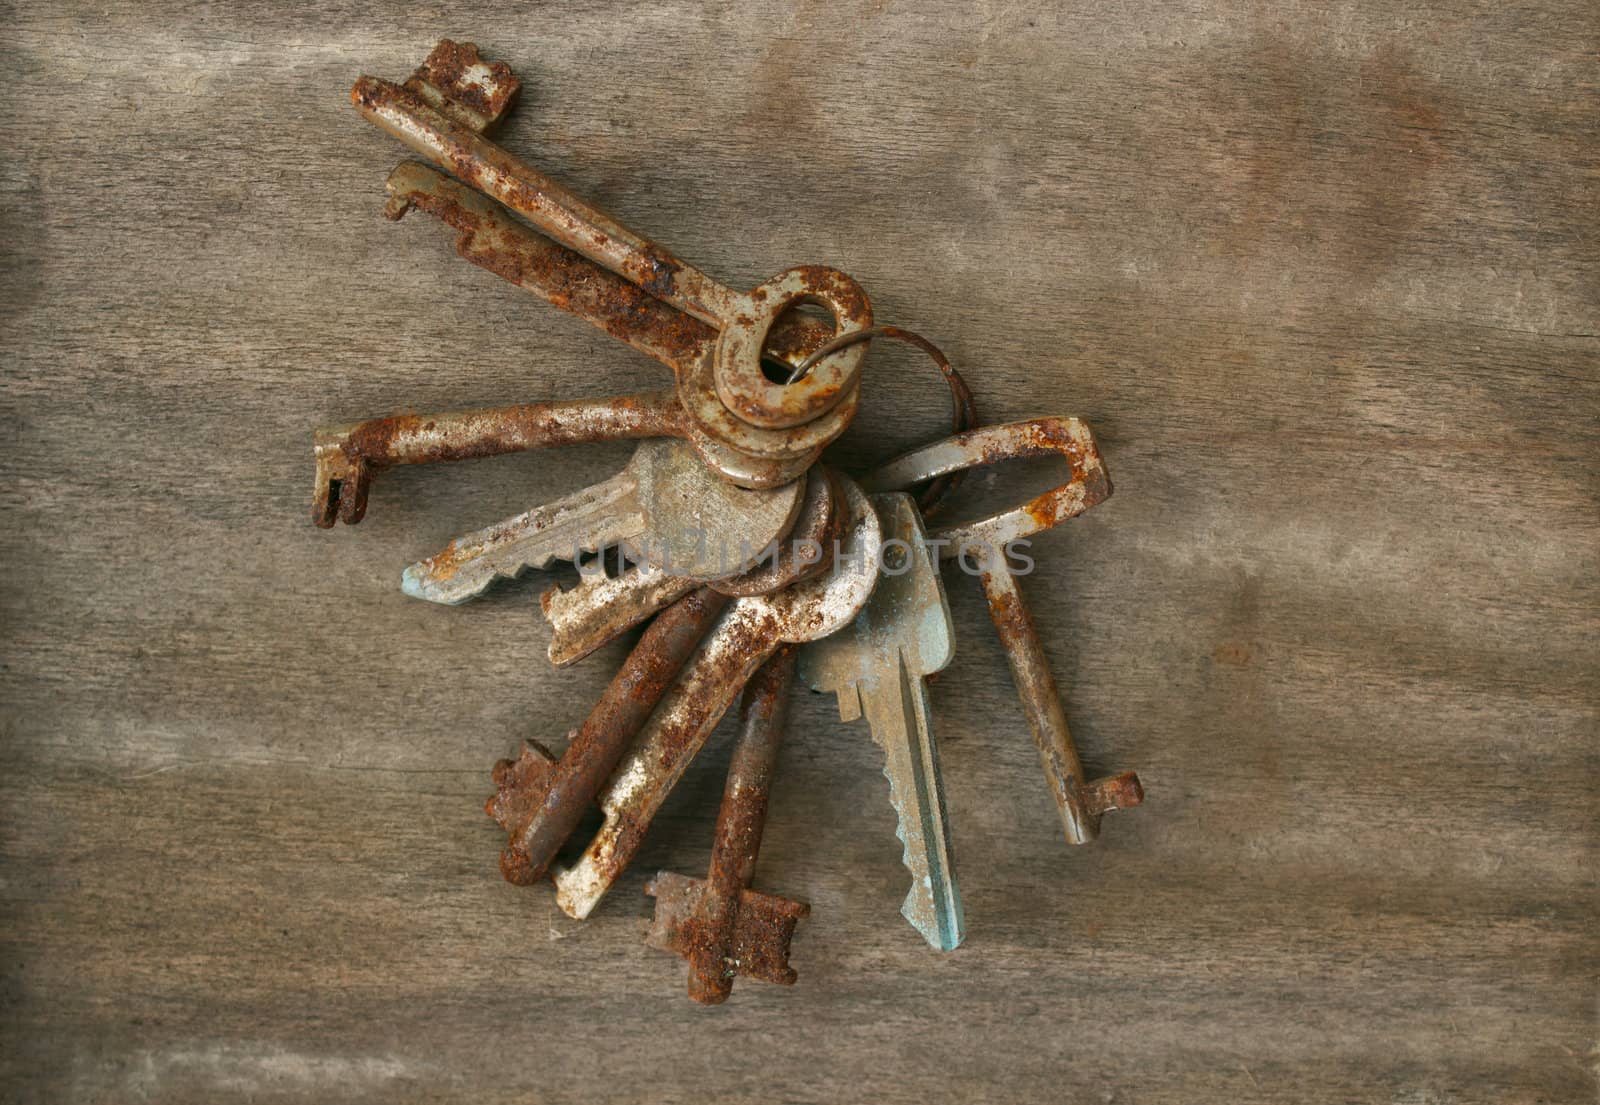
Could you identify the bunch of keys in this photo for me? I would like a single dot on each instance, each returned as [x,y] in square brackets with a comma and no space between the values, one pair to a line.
[749,563]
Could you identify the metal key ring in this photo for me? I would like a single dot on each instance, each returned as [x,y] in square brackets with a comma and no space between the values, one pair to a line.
[930,496]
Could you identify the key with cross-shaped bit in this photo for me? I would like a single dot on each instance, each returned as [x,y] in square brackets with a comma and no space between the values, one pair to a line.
[720,925]
[750,630]
[664,502]
[876,667]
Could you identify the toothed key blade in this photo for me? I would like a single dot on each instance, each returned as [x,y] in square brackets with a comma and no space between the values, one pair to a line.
[876,667]
[666,505]
[605,514]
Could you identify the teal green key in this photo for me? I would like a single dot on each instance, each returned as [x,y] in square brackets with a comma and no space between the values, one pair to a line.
[876,667]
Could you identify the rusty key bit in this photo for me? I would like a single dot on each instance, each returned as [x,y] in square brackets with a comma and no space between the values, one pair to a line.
[539,801]
[721,926]
[1081,803]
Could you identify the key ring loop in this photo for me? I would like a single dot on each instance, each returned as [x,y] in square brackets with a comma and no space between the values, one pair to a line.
[963,410]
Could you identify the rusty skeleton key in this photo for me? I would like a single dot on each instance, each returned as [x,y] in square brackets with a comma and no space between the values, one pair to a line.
[1080,802]
[720,925]
[750,430]
[538,799]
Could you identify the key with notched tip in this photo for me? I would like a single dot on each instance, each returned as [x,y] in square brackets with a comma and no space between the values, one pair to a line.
[1080,802]
[750,630]
[877,667]
[664,503]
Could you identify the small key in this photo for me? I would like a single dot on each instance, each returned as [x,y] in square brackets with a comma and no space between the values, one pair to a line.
[721,926]
[750,631]
[877,667]
[603,607]
[1080,803]
[664,502]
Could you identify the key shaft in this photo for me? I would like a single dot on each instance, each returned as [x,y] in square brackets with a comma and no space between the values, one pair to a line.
[490,237]
[349,456]
[708,934]
[539,805]
[1080,803]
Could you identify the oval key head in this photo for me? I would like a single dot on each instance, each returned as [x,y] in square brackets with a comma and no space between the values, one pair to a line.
[1068,438]
[740,381]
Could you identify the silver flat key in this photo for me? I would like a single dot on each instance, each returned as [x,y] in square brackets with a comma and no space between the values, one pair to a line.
[665,504]
[877,668]
[602,607]
[748,632]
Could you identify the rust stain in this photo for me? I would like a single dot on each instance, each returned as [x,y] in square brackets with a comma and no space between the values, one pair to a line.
[1233,654]
[538,805]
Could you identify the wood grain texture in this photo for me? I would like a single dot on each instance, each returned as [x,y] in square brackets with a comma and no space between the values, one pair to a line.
[1323,279]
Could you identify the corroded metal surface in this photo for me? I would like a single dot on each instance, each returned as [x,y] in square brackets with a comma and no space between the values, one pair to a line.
[491,238]
[602,606]
[1079,803]
[876,667]
[750,630]
[538,802]
[457,82]
[717,924]
[1068,438]
[807,550]
[348,457]
[728,394]
[763,926]
[664,503]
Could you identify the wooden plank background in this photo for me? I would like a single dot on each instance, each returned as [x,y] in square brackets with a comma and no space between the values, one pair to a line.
[1322,277]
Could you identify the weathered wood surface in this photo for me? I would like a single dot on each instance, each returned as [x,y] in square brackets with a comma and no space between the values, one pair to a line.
[1323,281]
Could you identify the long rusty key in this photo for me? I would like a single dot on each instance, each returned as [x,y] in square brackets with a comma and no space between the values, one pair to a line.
[1080,803]
[727,394]
[750,631]
[721,926]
